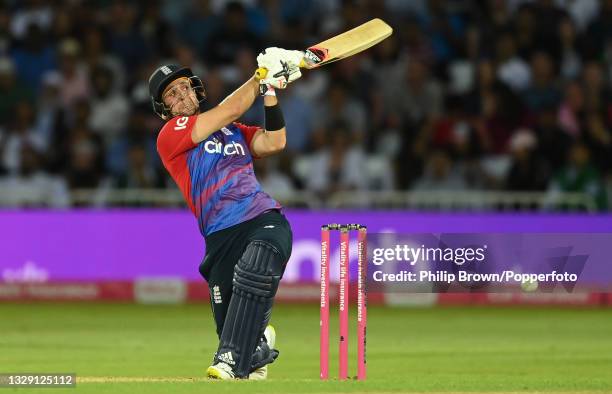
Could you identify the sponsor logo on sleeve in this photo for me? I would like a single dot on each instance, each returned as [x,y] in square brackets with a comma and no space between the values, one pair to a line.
[181,123]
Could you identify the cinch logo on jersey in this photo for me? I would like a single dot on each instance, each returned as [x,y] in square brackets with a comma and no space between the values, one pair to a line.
[233,148]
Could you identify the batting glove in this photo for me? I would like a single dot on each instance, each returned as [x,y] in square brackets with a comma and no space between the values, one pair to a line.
[265,89]
[280,77]
[273,55]
[271,83]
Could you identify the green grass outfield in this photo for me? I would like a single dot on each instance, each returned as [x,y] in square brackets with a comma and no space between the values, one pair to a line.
[122,348]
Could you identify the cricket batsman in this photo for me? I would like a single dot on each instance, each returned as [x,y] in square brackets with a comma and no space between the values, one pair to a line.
[248,239]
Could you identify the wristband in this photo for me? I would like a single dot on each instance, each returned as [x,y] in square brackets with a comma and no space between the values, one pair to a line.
[274,119]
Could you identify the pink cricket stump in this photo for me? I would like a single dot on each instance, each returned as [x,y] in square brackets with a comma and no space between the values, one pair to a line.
[324,319]
[344,302]
[362,267]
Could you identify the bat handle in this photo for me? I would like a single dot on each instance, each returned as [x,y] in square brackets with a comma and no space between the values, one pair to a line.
[261,73]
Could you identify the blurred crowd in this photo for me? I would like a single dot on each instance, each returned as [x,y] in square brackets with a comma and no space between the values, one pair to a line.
[465,95]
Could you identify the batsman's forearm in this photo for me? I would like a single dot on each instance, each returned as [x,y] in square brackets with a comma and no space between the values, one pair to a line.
[270,101]
[243,97]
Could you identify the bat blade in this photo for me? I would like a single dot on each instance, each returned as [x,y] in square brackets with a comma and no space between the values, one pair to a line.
[346,44]
[343,45]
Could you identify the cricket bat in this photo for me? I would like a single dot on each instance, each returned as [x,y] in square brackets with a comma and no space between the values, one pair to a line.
[343,45]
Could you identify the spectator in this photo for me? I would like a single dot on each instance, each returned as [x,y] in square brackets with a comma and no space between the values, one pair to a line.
[5,35]
[444,28]
[461,70]
[422,95]
[542,91]
[579,176]
[572,109]
[74,83]
[417,44]
[582,12]
[140,173]
[386,56]
[186,56]
[339,165]
[274,182]
[598,137]
[109,107]
[33,57]
[525,30]
[300,118]
[245,63]
[548,16]
[455,134]
[85,168]
[21,132]
[553,142]
[10,90]
[511,69]
[216,88]
[339,107]
[95,53]
[138,133]
[495,17]
[49,113]
[598,95]
[528,171]
[599,31]
[63,25]
[154,29]
[198,25]
[33,13]
[32,186]
[571,62]
[3,170]
[124,38]
[451,127]
[498,111]
[357,80]
[440,174]
[231,35]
